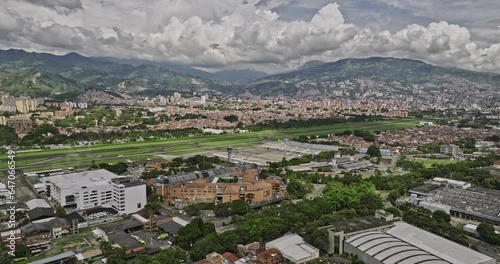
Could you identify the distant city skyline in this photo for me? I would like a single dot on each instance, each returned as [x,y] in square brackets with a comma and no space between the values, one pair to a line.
[264,35]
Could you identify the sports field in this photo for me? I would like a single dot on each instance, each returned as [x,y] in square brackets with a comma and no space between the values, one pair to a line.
[139,151]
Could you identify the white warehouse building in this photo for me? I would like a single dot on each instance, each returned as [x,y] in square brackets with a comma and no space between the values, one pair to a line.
[96,188]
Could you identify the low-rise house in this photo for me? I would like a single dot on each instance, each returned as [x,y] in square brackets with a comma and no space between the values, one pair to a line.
[41,214]
[77,218]
[212,258]
[123,239]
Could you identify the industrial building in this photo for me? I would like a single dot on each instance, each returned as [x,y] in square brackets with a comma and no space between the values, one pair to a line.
[339,164]
[90,189]
[296,147]
[459,200]
[406,244]
[128,196]
[294,248]
[81,189]
[339,231]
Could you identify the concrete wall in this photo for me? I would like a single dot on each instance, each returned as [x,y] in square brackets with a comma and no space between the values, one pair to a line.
[135,199]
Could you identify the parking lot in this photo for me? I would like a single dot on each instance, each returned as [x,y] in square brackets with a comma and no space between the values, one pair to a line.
[150,239]
[23,191]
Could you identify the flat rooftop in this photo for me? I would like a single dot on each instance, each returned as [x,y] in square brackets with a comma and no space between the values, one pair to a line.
[293,246]
[474,200]
[426,189]
[82,179]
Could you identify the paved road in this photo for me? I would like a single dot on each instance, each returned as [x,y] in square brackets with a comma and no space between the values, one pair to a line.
[485,248]
[317,192]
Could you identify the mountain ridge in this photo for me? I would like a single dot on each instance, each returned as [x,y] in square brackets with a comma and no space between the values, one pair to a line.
[352,77]
[377,77]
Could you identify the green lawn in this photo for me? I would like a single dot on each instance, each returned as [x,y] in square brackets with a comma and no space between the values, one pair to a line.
[180,147]
[86,164]
[19,163]
[428,163]
[205,149]
[231,142]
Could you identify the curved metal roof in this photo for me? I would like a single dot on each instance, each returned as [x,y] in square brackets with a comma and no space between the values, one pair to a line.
[389,249]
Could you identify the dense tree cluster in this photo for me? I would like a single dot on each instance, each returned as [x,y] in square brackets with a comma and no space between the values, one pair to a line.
[360,196]
[8,137]
[169,255]
[303,218]
[118,168]
[231,118]
[5,257]
[194,209]
[297,189]
[487,233]
[236,207]
[114,255]
[374,151]
[366,135]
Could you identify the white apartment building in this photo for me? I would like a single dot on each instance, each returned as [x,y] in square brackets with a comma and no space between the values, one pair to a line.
[128,196]
[450,150]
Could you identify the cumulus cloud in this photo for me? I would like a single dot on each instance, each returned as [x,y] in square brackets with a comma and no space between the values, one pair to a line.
[246,32]
[61,6]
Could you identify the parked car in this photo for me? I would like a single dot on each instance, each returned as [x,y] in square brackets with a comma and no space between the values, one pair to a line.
[162,236]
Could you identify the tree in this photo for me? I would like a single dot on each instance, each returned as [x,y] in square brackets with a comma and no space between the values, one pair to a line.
[192,232]
[231,118]
[393,210]
[119,168]
[441,216]
[487,233]
[374,151]
[236,207]
[9,135]
[60,211]
[21,251]
[206,246]
[113,254]
[5,257]
[249,197]
[296,189]
[169,255]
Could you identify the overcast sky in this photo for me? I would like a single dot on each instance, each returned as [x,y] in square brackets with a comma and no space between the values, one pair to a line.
[268,35]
